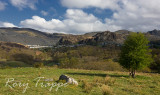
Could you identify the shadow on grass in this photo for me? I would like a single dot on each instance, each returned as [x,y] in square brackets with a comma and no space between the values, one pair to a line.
[98,74]
[126,76]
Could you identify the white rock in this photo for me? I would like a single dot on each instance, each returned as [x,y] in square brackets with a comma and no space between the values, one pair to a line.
[68,79]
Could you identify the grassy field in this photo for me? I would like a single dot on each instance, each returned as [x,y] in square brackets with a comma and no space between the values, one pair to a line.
[91,82]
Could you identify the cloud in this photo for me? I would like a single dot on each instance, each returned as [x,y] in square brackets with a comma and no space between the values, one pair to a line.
[41,24]
[103,4]
[76,22]
[79,22]
[134,15]
[2,5]
[7,24]
[137,15]
[24,4]
[80,16]
[44,13]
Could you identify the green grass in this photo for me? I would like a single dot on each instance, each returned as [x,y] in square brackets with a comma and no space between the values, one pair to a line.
[100,82]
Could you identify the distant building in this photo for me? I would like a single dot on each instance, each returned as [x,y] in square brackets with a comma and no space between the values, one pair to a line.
[37,46]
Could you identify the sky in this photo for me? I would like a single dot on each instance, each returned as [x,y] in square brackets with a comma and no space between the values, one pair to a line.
[81,16]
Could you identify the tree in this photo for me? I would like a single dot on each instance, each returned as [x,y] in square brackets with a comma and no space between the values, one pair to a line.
[135,53]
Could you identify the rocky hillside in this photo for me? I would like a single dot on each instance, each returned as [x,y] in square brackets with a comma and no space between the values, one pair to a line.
[74,39]
[107,38]
[154,32]
[28,36]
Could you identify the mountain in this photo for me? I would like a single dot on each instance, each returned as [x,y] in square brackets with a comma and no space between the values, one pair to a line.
[28,36]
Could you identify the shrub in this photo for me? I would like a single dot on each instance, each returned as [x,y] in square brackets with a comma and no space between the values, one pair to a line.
[146,70]
[101,65]
[55,66]
[5,67]
[68,62]
[38,65]
[26,58]
[14,64]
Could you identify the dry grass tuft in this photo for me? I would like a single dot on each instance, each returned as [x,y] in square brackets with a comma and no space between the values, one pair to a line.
[87,86]
[108,80]
[97,81]
[106,90]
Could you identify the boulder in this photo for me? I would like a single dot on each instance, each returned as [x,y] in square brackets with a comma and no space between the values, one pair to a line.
[68,79]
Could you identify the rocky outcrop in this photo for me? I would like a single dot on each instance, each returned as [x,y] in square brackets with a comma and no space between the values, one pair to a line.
[72,39]
[105,38]
[154,32]
[117,38]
